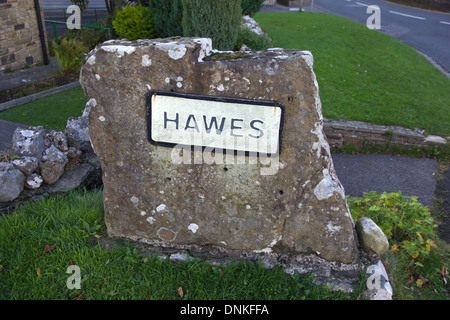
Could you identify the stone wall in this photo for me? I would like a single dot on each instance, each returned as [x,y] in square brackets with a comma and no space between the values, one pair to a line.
[357,133]
[20,43]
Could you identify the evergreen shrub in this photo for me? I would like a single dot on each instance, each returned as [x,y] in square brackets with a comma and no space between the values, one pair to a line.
[134,23]
[252,40]
[167,17]
[219,20]
[250,7]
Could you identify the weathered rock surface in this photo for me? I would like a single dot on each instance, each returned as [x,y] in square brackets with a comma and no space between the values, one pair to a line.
[77,131]
[73,153]
[33,182]
[54,154]
[29,142]
[71,179]
[26,164]
[58,139]
[297,206]
[11,182]
[51,171]
[377,283]
[371,237]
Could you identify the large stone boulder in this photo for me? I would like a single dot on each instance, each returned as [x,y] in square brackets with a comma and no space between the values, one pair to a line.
[287,203]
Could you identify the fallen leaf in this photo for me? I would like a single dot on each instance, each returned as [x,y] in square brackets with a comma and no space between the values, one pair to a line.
[424,280]
[79,297]
[38,272]
[410,281]
[419,283]
[49,247]
[180,292]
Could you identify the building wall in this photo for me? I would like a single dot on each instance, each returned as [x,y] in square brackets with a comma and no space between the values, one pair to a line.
[20,43]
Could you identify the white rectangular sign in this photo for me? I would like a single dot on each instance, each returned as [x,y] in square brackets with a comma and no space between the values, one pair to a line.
[220,123]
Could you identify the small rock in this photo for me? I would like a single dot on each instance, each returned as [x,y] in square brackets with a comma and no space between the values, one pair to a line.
[51,171]
[435,140]
[48,139]
[252,25]
[244,48]
[60,141]
[377,283]
[88,107]
[11,182]
[77,133]
[33,182]
[371,237]
[55,155]
[73,153]
[71,179]
[27,165]
[28,142]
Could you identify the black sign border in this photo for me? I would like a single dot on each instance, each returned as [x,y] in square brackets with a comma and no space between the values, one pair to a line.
[267,103]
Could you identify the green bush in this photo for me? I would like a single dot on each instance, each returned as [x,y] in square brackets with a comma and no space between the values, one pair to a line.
[219,20]
[417,257]
[70,54]
[252,40]
[167,17]
[407,223]
[89,36]
[250,7]
[134,23]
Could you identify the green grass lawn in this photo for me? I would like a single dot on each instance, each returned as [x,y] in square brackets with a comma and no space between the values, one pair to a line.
[40,240]
[71,224]
[50,112]
[363,74]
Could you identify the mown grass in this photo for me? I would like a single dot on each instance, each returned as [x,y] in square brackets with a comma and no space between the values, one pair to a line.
[363,74]
[72,223]
[50,112]
[41,239]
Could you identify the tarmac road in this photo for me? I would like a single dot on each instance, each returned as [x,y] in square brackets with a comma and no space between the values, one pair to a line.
[362,173]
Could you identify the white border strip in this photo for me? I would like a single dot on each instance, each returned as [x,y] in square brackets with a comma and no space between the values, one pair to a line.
[362,4]
[407,15]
